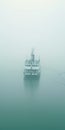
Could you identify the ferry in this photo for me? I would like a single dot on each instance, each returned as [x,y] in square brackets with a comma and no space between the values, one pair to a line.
[32,66]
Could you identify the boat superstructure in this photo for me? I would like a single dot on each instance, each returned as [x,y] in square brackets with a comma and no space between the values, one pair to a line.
[32,66]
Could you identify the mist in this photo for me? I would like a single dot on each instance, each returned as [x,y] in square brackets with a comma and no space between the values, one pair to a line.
[27,24]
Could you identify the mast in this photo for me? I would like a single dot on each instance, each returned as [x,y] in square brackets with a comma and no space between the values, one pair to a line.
[32,56]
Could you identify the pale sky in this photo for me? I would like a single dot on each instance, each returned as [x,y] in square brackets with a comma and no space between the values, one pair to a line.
[32,23]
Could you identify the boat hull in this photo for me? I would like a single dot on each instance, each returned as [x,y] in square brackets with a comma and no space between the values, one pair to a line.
[30,75]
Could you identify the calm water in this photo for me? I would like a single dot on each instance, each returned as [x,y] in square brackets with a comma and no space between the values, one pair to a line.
[32,104]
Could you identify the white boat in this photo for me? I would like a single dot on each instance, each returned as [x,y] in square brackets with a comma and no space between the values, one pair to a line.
[32,66]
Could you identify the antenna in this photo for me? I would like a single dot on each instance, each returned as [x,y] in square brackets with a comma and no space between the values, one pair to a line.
[32,50]
[32,55]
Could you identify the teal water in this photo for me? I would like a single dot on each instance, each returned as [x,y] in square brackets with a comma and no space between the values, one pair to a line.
[31,104]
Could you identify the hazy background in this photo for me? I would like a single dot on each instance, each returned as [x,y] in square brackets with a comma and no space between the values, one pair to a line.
[32,23]
[32,104]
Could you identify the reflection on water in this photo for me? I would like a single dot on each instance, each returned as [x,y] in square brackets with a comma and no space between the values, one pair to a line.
[32,103]
[31,83]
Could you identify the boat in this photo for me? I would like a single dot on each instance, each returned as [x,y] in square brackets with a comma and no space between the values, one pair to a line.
[32,66]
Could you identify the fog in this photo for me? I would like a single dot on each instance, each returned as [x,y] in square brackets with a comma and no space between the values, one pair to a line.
[32,104]
[27,24]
